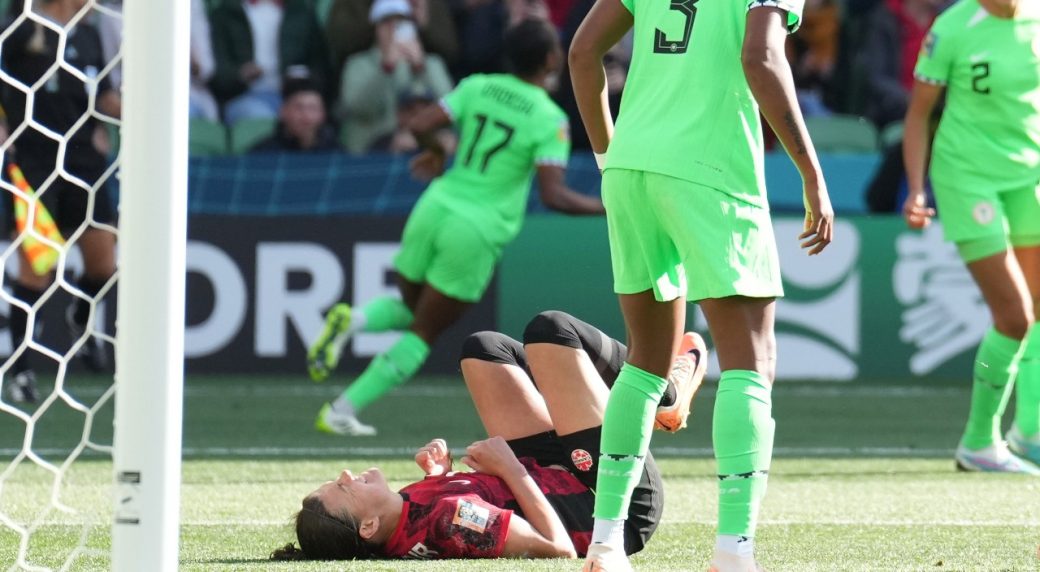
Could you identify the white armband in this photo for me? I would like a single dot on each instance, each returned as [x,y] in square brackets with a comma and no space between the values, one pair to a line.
[601,158]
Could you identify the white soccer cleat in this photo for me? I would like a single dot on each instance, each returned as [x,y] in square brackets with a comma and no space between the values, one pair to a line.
[686,376]
[996,458]
[727,562]
[606,558]
[329,421]
[1027,448]
[21,388]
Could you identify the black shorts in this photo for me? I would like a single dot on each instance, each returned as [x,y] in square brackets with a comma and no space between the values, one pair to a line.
[580,456]
[67,202]
[578,452]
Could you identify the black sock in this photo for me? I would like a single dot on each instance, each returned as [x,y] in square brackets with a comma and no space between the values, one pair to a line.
[90,287]
[19,321]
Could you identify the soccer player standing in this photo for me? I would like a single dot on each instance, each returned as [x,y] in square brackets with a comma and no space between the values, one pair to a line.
[985,170]
[509,129]
[684,189]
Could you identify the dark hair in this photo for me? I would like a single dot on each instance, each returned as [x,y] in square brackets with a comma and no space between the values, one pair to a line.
[323,536]
[528,45]
[293,85]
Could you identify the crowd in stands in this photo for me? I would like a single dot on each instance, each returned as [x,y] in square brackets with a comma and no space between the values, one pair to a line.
[345,74]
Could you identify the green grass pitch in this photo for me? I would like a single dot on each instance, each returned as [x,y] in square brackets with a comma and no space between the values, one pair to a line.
[863,479]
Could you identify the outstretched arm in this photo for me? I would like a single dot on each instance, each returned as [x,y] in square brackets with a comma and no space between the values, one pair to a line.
[557,196]
[604,26]
[769,76]
[915,151]
[542,534]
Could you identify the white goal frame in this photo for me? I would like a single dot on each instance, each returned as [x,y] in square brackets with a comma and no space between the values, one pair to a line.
[150,307]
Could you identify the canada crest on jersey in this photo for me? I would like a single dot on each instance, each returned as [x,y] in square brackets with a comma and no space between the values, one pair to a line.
[582,460]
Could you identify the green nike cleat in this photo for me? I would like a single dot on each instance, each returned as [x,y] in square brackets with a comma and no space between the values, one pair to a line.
[323,355]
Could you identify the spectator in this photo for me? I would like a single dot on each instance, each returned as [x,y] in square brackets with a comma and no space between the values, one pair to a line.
[374,80]
[402,140]
[482,25]
[254,43]
[350,31]
[77,195]
[813,52]
[302,124]
[202,104]
[615,64]
[893,37]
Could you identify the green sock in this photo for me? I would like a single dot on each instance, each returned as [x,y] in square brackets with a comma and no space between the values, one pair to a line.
[742,433]
[628,423]
[1027,405]
[388,370]
[996,364]
[384,314]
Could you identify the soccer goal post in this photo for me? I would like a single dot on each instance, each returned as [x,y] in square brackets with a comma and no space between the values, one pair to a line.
[150,307]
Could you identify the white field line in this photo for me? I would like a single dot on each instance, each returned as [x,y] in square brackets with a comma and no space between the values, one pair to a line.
[203,452]
[706,522]
[821,389]
[710,522]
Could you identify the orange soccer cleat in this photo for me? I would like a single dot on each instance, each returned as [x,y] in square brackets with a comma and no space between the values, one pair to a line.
[687,373]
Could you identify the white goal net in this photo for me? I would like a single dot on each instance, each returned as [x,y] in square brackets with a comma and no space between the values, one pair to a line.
[75,494]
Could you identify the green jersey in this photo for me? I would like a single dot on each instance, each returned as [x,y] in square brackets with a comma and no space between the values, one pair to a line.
[506,128]
[687,111]
[989,135]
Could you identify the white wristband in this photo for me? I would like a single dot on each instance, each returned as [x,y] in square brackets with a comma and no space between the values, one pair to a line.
[600,159]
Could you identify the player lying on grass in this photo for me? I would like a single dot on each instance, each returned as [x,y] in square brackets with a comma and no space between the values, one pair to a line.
[509,128]
[531,494]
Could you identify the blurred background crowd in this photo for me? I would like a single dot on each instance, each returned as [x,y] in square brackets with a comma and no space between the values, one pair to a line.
[345,75]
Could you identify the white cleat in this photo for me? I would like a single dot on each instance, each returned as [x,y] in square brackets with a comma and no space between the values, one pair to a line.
[727,562]
[22,388]
[1027,448]
[329,421]
[606,558]
[993,459]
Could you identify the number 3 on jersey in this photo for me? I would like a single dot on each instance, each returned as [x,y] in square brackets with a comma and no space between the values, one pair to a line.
[662,45]
[482,122]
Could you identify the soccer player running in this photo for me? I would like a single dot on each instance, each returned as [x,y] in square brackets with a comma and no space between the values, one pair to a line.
[985,171]
[509,129]
[541,403]
[684,189]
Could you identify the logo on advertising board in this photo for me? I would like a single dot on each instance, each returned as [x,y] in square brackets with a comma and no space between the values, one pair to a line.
[943,311]
[818,320]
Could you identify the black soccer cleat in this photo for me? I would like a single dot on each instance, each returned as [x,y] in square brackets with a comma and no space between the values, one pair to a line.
[92,354]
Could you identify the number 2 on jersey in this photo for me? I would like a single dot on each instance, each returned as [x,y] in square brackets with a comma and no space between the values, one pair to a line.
[482,121]
[662,45]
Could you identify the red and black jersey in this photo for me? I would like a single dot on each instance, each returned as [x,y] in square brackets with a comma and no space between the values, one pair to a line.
[466,515]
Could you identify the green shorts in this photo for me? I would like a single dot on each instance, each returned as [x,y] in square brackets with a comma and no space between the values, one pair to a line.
[985,222]
[683,239]
[446,251]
